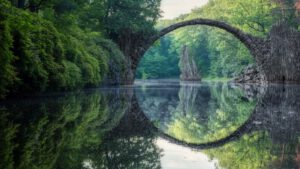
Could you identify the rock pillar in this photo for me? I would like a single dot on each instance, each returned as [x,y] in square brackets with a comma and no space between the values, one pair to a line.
[188,68]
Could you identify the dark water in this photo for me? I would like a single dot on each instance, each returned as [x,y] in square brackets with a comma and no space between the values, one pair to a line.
[154,124]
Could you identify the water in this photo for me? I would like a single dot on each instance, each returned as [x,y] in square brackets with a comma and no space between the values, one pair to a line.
[154,124]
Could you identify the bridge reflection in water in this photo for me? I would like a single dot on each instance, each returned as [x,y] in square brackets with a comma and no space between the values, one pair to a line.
[250,126]
[155,125]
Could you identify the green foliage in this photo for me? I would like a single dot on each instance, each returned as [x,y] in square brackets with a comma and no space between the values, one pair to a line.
[149,154]
[130,23]
[52,49]
[159,62]
[250,152]
[62,45]
[133,16]
[117,64]
[218,54]
[8,74]
[224,55]
[72,75]
[38,51]
[256,150]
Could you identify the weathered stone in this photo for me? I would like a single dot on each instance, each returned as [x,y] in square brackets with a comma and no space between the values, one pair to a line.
[283,63]
[250,74]
[188,68]
[278,60]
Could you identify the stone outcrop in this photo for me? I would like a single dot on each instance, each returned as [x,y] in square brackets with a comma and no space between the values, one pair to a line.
[188,68]
[278,58]
[250,74]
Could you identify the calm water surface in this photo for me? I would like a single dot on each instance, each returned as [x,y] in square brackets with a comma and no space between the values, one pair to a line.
[154,124]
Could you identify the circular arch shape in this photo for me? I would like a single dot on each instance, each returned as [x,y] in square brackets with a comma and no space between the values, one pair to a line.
[246,127]
[248,40]
[251,42]
[254,44]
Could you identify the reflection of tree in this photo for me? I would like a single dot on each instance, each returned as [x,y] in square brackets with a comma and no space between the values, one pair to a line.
[255,151]
[274,141]
[7,134]
[131,153]
[249,152]
[194,101]
[200,113]
[57,133]
[158,104]
[79,130]
[131,145]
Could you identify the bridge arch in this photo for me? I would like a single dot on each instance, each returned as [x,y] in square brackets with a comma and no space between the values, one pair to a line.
[253,43]
[248,40]
[236,135]
[245,128]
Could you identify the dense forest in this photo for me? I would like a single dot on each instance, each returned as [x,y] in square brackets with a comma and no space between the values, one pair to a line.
[217,53]
[60,45]
[57,45]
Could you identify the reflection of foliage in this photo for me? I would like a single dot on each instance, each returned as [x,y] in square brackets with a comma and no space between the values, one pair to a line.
[274,139]
[7,134]
[136,152]
[255,151]
[251,152]
[58,133]
[226,109]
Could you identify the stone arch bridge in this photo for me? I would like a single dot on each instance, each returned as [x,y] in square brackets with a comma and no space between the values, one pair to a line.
[277,56]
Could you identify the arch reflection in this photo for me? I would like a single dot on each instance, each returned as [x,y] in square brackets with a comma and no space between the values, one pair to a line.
[206,114]
[109,128]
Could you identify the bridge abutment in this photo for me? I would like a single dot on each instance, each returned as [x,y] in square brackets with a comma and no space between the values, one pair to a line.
[277,58]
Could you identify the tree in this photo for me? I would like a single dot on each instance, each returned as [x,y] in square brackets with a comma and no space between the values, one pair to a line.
[54,46]
[130,23]
[289,10]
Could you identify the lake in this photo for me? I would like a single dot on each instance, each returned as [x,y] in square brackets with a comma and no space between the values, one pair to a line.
[154,124]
